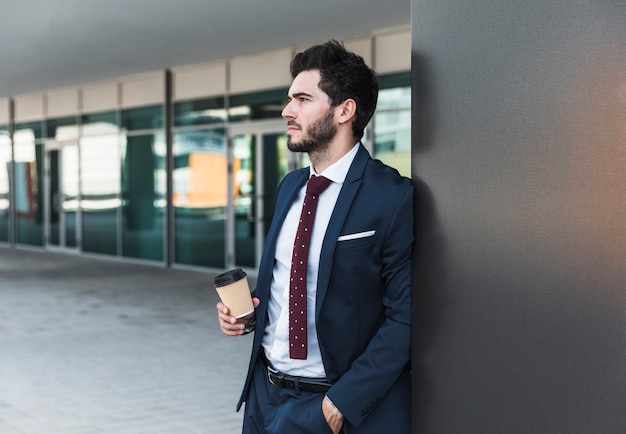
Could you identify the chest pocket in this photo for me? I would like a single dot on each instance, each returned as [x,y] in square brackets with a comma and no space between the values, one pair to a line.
[355,240]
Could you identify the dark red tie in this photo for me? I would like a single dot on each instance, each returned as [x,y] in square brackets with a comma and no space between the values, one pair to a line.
[299,262]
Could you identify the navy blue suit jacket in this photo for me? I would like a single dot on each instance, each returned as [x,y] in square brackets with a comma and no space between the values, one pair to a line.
[363,307]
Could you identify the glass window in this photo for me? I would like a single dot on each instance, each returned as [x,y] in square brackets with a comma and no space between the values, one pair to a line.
[392,122]
[29,158]
[143,118]
[275,167]
[244,179]
[199,112]
[62,128]
[28,132]
[62,194]
[100,190]
[200,197]
[259,105]
[70,185]
[99,123]
[398,79]
[5,161]
[143,196]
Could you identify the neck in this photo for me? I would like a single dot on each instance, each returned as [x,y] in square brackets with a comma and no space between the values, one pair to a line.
[323,158]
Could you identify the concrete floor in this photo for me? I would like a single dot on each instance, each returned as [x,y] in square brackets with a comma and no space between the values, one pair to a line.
[90,346]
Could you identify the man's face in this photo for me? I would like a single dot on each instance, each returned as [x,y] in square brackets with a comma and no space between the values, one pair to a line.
[310,119]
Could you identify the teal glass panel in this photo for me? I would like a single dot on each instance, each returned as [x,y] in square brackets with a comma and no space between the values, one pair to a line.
[29,190]
[143,118]
[258,105]
[101,186]
[62,195]
[245,174]
[143,196]
[5,162]
[54,193]
[28,131]
[398,79]
[70,187]
[392,127]
[199,112]
[98,123]
[200,196]
[62,128]
[275,167]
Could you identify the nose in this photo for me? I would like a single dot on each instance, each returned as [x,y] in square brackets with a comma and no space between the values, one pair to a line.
[287,112]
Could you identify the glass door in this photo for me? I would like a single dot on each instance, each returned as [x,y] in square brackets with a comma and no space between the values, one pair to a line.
[260,159]
[62,198]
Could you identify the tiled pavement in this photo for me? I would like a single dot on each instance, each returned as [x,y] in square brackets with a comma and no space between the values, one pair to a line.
[92,346]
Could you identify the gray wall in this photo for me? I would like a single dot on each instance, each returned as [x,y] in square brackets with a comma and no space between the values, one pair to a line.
[519,145]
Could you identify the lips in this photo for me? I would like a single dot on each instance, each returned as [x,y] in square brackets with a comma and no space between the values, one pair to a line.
[293,126]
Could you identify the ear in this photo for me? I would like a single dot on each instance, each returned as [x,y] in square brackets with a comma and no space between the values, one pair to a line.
[346,111]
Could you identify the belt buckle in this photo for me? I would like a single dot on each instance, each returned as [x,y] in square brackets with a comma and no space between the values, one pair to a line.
[276,378]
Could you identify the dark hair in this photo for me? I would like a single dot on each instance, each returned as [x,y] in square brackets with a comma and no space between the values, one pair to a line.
[343,75]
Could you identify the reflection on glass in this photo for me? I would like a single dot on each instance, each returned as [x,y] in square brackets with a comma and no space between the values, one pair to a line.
[62,195]
[28,187]
[392,128]
[200,197]
[101,188]
[143,195]
[62,128]
[70,197]
[258,105]
[55,200]
[28,132]
[255,189]
[99,124]
[5,161]
[244,191]
[199,112]
[143,118]
[277,161]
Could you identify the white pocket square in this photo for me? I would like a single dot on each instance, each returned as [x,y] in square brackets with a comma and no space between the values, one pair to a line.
[356,235]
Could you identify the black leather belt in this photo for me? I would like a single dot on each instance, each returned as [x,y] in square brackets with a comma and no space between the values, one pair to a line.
[285,381]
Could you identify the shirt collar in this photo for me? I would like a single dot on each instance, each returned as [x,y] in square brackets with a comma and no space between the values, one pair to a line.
[338,171]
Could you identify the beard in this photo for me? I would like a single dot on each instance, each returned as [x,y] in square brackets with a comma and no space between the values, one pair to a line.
[318,136]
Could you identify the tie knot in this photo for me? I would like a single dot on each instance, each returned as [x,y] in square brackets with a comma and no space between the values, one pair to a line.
[317,184]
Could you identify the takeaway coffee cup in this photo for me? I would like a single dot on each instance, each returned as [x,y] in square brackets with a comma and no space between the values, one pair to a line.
[234,291]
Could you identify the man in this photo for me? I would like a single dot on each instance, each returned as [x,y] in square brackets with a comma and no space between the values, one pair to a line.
[351,373]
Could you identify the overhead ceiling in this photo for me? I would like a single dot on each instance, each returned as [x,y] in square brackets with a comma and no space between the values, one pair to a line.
[59,43]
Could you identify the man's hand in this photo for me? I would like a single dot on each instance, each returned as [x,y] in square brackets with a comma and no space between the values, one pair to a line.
[230,325]
[333,416]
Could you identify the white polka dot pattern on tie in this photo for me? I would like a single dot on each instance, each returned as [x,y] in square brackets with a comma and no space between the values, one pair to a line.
[299,262]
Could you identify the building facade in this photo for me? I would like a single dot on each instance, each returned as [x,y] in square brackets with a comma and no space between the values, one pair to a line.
[176,167]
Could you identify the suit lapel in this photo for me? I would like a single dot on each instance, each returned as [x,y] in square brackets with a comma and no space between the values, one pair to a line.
[348,192]
[285,199]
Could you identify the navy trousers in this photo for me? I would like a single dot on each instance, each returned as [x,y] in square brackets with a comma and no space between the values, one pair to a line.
[273,410]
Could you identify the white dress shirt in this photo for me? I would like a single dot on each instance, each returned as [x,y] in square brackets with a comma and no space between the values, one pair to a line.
[276,337]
